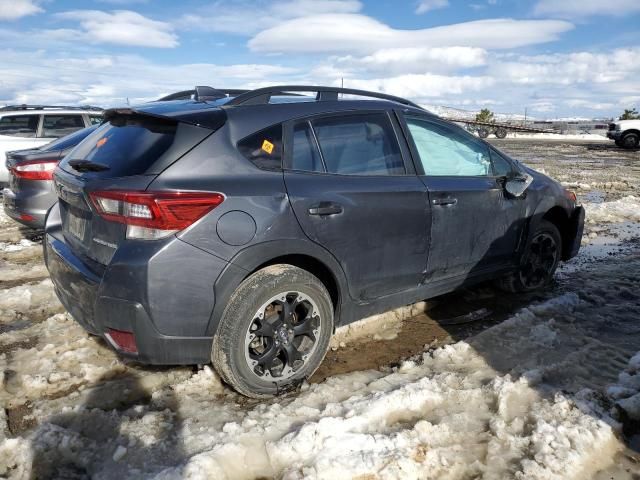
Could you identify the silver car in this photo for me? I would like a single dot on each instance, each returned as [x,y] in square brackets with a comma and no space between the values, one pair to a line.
[31,192]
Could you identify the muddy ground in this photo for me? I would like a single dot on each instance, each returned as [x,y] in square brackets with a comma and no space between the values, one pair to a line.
[51,367]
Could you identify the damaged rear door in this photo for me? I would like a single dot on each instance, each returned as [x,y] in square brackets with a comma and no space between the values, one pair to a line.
[475,226]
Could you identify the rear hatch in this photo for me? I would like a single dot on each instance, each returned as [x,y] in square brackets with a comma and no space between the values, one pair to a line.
[125,154]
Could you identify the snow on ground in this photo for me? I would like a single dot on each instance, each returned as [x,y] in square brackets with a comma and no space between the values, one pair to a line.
[550,392]
[567,137]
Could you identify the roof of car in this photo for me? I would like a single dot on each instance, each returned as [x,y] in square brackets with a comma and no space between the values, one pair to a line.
[55,109]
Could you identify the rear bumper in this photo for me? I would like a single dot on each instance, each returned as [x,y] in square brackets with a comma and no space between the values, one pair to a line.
[29,207]
[157,293]
[576,228]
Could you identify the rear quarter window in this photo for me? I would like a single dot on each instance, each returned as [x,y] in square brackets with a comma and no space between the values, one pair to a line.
[263,148]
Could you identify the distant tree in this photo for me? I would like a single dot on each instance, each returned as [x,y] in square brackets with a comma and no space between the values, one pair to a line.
[630,114]
[485,115]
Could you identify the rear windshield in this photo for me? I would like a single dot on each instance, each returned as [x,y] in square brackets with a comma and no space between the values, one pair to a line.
[127,145]
[69,141]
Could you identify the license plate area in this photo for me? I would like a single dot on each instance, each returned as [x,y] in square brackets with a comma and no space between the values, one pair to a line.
[77,226]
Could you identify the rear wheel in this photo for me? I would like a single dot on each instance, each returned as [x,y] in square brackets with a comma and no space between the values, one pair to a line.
[539,260]
[501,132]
[630,140]
[274,332]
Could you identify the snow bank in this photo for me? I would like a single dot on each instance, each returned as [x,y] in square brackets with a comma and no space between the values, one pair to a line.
[493,407]
[38,300]
[14,247]
[626,392]
[624,209]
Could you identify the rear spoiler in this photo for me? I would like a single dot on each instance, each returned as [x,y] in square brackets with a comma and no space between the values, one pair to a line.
[198,114]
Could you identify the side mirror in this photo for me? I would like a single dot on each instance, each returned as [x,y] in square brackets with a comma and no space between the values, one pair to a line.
[517,184]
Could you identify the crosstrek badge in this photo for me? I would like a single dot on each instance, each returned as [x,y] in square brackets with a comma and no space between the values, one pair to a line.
[267,146]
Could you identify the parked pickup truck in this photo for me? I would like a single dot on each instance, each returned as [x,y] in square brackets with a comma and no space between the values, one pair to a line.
[626,133]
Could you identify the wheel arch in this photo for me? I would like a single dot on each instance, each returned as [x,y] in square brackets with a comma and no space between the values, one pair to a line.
[299,253]
[559,217]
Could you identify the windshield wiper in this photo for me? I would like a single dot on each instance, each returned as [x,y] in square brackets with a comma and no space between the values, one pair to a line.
[88,166]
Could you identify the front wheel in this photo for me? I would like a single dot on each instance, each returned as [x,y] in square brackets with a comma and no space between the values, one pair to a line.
[630,140]
[274,332]
[539,260]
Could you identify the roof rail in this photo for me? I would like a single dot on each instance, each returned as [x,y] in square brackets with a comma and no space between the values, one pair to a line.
[24,106]
[262,96]
[202,93]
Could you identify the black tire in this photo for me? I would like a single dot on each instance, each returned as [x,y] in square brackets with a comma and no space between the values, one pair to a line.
[539,260]
[257,336]
[501,132]
[483,132]
[630,140]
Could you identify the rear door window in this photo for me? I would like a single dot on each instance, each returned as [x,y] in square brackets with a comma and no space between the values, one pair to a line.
[305,155]
[56,126]
[359,144]
[264,148]
[444,151]
[19,125]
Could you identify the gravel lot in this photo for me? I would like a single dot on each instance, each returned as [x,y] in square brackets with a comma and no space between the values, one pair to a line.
[471,384]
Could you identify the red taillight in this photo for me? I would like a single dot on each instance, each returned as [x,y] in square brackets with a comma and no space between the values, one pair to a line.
[26,217]
[122,340]
[35,169]
[151,215]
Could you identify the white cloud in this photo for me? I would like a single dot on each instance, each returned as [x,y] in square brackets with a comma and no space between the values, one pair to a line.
[249,17]
[14,9]
[571,69]
[422,87]
[585,8]
[393,61]
[426,5]
[122,27]
[108,79]
[354,33]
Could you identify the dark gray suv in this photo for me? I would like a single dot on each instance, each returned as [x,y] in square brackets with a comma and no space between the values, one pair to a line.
[244,230]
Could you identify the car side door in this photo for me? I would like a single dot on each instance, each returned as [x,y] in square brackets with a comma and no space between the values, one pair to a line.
[476,226]
[354,191]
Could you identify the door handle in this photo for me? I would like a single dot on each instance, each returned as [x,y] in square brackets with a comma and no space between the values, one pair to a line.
[445,201]
[325,208]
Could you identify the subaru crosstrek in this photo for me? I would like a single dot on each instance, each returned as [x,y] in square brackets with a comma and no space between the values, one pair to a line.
[244,230]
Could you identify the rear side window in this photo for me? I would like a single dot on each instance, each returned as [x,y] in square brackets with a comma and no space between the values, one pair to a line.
[127,145]
[446,152]
[305,155]
[95,119]
[19,125]
[264,148]
[363,144]
[56,126]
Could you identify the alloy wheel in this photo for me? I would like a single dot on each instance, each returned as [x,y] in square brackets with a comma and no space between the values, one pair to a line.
[282,336]
[540,262]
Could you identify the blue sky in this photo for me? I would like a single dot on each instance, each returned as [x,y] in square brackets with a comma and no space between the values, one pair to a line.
[556,58]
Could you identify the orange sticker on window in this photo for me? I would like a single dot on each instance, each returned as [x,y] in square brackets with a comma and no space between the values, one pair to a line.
[101,142]
[267,146]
